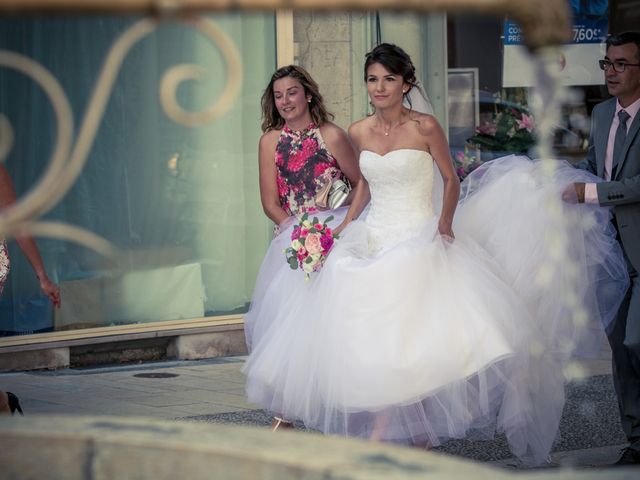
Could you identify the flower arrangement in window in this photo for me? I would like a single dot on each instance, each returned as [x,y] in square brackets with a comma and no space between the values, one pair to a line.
[467,161]
[510,130]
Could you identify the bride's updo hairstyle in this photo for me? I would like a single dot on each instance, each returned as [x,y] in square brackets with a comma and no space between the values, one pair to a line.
[271,119]
[394,59]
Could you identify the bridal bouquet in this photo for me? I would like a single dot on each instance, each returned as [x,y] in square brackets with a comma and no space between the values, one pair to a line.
[311,242]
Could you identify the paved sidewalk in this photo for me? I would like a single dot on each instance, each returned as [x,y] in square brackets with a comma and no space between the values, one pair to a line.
[213,391]
[163,390]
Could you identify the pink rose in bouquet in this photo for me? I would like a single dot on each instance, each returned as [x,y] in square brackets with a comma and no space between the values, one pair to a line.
[311,242]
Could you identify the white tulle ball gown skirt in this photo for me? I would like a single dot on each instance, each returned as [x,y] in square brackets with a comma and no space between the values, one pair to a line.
[405,337]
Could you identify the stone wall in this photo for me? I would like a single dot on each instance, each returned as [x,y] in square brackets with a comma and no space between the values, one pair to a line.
[331,46]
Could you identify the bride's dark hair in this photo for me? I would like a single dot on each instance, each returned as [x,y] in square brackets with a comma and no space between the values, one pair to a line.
[271,119]
[394,59]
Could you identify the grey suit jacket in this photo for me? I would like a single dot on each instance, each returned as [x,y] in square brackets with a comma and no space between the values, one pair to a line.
[623,191]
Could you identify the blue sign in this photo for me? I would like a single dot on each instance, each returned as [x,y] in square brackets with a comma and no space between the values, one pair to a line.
[584,30]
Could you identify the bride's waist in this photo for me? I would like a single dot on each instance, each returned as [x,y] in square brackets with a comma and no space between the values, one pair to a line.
[399,215]
[386,232]
[405,225]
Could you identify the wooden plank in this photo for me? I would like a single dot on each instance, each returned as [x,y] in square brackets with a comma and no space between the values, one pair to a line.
[120,332]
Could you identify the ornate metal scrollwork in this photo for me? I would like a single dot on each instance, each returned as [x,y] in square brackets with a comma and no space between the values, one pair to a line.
[68,159]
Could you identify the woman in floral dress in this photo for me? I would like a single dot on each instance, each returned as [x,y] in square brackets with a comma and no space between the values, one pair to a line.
[299,146]
[299,150]
[4,264]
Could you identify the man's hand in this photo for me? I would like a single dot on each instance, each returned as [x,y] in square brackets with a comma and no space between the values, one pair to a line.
[574,193]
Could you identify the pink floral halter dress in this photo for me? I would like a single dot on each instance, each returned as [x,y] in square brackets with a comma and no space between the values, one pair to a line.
[302,158]
[4,264]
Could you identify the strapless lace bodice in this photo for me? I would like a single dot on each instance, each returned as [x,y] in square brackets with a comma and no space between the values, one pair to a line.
[401,183]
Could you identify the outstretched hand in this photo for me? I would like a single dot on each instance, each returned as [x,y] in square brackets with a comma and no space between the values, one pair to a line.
[51,290]
[574,193]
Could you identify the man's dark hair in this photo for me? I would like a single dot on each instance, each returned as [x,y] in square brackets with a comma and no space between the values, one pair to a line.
[623,38]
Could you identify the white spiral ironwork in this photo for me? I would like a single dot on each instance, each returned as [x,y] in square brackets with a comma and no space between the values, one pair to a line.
[68,160]
[180,73]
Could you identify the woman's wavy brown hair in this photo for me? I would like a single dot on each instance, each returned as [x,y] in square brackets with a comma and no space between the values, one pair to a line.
[271,119]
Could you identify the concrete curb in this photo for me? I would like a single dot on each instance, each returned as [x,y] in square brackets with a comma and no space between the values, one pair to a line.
[96,448]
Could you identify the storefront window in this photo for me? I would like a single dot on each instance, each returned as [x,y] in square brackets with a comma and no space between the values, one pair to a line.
[490,80]
[180,204]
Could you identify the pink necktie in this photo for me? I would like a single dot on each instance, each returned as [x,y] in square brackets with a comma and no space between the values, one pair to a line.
[618,143]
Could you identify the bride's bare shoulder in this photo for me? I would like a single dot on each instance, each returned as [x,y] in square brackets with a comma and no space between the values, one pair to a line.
[427,124]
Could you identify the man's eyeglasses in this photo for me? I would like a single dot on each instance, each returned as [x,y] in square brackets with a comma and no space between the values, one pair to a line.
[617,66]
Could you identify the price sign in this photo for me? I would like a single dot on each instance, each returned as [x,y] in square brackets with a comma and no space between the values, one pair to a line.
[577,59]
[589,31]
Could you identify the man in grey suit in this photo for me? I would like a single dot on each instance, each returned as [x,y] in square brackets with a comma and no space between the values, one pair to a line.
[614,154]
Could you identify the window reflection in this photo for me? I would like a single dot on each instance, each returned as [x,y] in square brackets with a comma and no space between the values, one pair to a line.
[181,204]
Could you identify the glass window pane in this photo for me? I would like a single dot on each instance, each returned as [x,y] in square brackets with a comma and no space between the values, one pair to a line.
[181,204]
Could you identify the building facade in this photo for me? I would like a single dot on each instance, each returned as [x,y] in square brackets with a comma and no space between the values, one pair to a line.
[181,205]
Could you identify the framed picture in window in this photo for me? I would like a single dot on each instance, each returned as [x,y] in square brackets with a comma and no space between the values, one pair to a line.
[463,105]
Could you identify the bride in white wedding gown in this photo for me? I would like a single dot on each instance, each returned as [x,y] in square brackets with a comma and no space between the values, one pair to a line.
[419,327]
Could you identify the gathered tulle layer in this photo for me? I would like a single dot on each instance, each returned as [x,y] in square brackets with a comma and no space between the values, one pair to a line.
[513,207]
[428,340]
